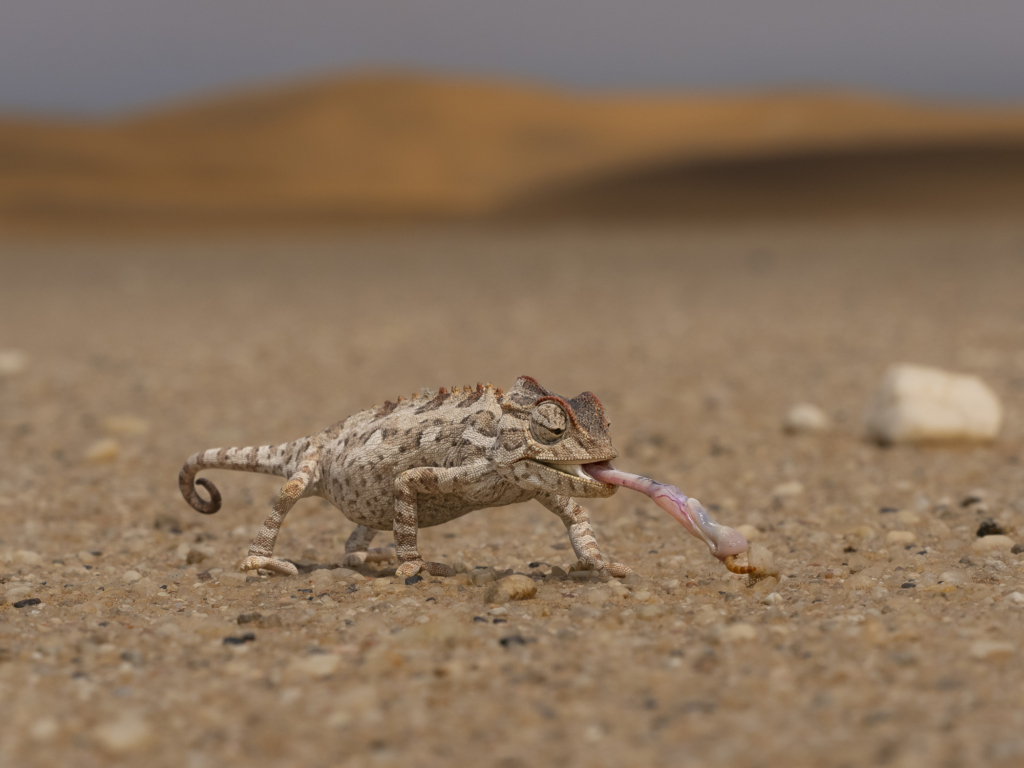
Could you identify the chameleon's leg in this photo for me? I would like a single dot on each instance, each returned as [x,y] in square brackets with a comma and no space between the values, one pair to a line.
[358,551]
[421,481]
[581,535]
[261,550]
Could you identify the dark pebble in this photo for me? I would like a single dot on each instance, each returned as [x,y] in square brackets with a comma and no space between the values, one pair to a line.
[204,576]
[248,637]
[537,564]
[507,642]
[908,585]
[430,600]
[413,579]
[249,618]
[480,619]
[307,591]
[501,621]
[888,510]
[27,602]
[991,528]
[1017,549]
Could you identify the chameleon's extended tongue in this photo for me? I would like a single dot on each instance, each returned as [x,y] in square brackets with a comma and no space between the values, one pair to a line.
[724,543]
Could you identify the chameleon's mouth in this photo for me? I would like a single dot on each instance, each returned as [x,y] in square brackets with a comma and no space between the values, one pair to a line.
[575,470]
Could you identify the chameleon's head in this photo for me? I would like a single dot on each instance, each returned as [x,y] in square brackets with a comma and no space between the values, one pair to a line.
[544,440]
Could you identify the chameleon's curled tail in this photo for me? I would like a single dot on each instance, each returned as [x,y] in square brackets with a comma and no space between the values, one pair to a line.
[266,459]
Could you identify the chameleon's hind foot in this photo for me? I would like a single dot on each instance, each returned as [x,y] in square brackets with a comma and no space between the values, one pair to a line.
[255,563]
[412,567]
[375,555]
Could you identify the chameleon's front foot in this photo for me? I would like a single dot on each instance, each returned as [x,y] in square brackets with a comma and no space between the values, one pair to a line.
[617,570]
[375,555]
[412,567]
[255,562]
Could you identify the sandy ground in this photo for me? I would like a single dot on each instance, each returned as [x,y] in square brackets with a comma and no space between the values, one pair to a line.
[872,651]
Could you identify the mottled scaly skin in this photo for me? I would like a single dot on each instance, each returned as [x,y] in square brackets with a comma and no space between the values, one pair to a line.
[421,462]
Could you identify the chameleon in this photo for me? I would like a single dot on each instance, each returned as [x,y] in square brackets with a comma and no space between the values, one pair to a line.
[423,461]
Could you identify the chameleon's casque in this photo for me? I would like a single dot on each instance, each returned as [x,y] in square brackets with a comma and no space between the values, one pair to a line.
[421,462]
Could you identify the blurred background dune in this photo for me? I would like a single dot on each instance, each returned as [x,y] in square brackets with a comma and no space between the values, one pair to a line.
[394,147]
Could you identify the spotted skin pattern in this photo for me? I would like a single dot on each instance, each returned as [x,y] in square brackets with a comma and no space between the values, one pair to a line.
[421,462]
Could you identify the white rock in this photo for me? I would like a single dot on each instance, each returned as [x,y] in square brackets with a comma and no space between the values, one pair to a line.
[129,576]
[12,361]
[918,404]
[1015,597]
[991,650]
[772,598]
[804,417]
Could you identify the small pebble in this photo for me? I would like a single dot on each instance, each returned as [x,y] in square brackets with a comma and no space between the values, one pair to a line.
[993,544]
[129,576]
[514,587]
[763,562]
[128,734]
[27,602]
[126,425]
[102,451]
[957,577]
[195,556]
[511,640]
[907,517]
[805,418]
[788,489]
[44,730]
[316,665]
[1015,597]
[248,637]
[772,598]
[976,496]
[990,527]
[28,557]
[900,538]
[748,532]
[738,633]
[12,362]
[991,650]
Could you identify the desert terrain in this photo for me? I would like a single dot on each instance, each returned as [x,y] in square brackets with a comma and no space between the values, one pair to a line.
[872,649]
[254,267]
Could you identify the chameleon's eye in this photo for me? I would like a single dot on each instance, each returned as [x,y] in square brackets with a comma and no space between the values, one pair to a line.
[548,423]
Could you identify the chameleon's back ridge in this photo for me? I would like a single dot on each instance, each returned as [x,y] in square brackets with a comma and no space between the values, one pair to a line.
[415,463]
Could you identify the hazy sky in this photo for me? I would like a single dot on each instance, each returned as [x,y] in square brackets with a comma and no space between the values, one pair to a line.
[102,55]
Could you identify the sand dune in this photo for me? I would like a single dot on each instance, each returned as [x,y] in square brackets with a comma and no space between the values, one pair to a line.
[403,146]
